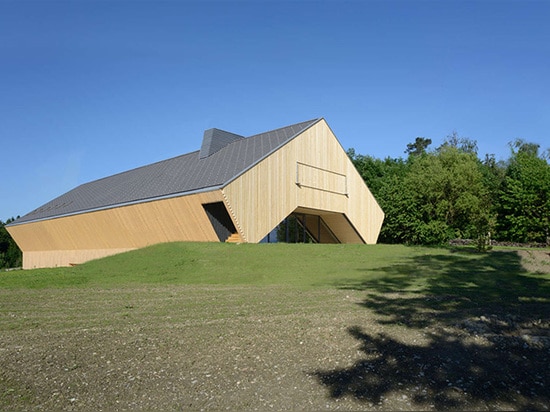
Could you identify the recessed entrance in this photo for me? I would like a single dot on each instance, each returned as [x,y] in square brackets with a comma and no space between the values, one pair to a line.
[301,228]
[220,220]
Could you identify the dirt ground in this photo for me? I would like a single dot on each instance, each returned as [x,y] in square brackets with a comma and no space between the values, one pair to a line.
[252,348]
[535,261]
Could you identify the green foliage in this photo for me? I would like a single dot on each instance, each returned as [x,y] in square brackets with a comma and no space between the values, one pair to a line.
[525,196]
[401,216]
[463,144]
[448,193]
[385,180]
[434,196]
[419,146]
[10,254]
[375,171]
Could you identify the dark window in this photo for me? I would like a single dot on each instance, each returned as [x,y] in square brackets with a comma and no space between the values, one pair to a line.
[220,220]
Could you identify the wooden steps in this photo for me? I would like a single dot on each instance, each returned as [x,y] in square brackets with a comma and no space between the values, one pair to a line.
[234,238]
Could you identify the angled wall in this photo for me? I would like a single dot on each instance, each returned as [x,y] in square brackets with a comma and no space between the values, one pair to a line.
[313,172]
[79,238]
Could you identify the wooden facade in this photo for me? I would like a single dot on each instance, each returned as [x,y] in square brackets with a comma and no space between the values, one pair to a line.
[312,172]
[79,238]
[309,174]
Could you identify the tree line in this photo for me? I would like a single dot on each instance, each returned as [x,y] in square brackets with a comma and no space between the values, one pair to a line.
[434,195]
[10,254]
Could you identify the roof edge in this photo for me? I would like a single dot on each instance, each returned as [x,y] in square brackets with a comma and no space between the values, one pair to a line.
[123,204]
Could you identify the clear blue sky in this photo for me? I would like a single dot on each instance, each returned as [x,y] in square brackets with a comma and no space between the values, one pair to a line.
[93,88]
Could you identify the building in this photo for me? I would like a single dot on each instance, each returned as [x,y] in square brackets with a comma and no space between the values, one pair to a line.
[233,188]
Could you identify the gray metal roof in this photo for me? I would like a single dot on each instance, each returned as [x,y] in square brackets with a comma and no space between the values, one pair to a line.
[217,163]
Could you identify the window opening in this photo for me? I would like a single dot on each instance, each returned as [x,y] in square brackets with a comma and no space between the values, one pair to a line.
[301,228]
[220,220]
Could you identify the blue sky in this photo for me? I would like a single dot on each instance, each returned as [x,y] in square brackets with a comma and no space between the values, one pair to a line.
[93,88]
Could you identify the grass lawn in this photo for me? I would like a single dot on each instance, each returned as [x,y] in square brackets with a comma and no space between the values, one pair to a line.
[296,265]
[209,326]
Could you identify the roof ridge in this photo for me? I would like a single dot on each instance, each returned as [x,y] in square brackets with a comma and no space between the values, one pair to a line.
[286,127]
[254,136]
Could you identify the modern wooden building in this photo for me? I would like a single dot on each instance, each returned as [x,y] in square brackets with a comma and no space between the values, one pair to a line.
[234,188]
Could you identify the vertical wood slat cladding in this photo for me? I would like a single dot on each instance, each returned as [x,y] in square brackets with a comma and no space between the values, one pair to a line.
[312,177]
[74,239]
[55,258]
[266,194]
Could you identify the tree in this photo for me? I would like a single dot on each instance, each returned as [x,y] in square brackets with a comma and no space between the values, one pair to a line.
[463,144]
[524,210]
[419,146]
[375,171]
[396,200]
[434,196]
[449,196]
[10,254]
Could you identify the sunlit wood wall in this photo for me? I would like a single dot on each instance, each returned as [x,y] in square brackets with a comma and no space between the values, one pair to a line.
[311,171]
[86,236]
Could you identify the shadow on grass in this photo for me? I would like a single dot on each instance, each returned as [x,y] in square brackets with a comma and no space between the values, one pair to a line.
[485,326]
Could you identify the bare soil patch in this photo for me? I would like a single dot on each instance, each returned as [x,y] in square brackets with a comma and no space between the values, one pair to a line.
[535,260]
[247,348]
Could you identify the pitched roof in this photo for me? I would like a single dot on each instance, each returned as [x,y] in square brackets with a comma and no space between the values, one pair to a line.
[223,157]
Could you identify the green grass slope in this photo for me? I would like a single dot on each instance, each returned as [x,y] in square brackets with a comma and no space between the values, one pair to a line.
[302,265]
[381,267]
